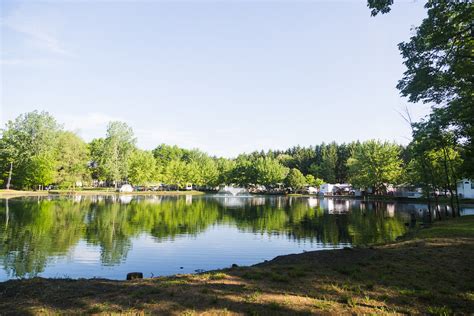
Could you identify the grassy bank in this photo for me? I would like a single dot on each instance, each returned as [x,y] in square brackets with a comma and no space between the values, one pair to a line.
[18,193]
[430,271]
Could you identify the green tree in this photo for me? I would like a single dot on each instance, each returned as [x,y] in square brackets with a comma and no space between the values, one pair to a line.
[72,159]
[209,173]
[295,179]
[142,167]
[118,146]
[374,164]
[436,162]
[439,68]
[243,173]
[343,154]
[225,169]
[164,154]
[97,155]
[269,171]
[176,173]
[40,171]
[312,181]
[329,162]
[28,140]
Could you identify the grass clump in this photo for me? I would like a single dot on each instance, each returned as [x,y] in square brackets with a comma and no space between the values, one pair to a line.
[349,300]
[276,277]
[322,304]
[218,276]
[439,310]
[96,309]
[255,275]
[275,306]
[297,273]
[253,297]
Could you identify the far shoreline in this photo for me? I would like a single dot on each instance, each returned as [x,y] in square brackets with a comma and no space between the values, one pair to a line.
[373,198]
[19,193]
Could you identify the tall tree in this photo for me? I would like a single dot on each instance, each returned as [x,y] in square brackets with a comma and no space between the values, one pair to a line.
[329,162]
[118,146]
[312,181]
[72,159]
[225,169]
[295,179]
[40,171]
[374,164]
[164,154]
[209,172]
[29,139]
[176,173]
[440,68]
[343,154]
[142,167]
[436,154]
[97,159]
[269,171]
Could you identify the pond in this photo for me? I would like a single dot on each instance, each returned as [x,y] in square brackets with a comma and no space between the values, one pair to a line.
[109,236]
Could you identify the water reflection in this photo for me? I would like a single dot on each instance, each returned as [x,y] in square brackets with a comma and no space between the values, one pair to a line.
[42,233]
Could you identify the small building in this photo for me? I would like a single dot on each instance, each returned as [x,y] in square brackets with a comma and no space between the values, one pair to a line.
[326,189]
[126,188]
[310,190]
[342,189]
[360,192]
[408,192]
[466,189]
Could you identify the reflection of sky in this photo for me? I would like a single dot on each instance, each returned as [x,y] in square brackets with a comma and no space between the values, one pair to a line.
[467,211]
[217,247]
[221,243]
[240,201]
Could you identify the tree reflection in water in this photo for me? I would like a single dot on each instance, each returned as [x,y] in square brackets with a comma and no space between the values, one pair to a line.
[34,231]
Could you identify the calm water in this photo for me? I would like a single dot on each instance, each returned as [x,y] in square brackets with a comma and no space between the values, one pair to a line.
[100,236]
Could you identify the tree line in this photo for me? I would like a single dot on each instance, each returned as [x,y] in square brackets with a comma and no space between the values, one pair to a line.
[37,151]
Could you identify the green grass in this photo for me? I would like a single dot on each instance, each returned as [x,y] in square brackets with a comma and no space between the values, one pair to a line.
[460,227]
[214,276]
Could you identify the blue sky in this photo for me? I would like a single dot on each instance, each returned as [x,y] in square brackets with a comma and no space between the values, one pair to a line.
[223,76]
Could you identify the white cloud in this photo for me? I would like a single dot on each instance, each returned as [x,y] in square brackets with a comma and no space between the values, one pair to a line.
[40,30]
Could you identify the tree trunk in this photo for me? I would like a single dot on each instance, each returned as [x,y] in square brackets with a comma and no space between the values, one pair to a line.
[427,189]
[10,176]
[433,184]
[457,199]
[7,217]
[448,182]
[438,213]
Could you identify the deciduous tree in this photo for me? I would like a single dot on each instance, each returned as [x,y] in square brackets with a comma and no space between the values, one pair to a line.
[375,164]
[295,179]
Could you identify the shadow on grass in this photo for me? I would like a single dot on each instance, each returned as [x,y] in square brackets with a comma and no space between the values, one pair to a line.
[433,276]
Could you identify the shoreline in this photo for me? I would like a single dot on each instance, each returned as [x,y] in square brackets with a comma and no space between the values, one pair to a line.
[396,277]
[15,193]
[18,193]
